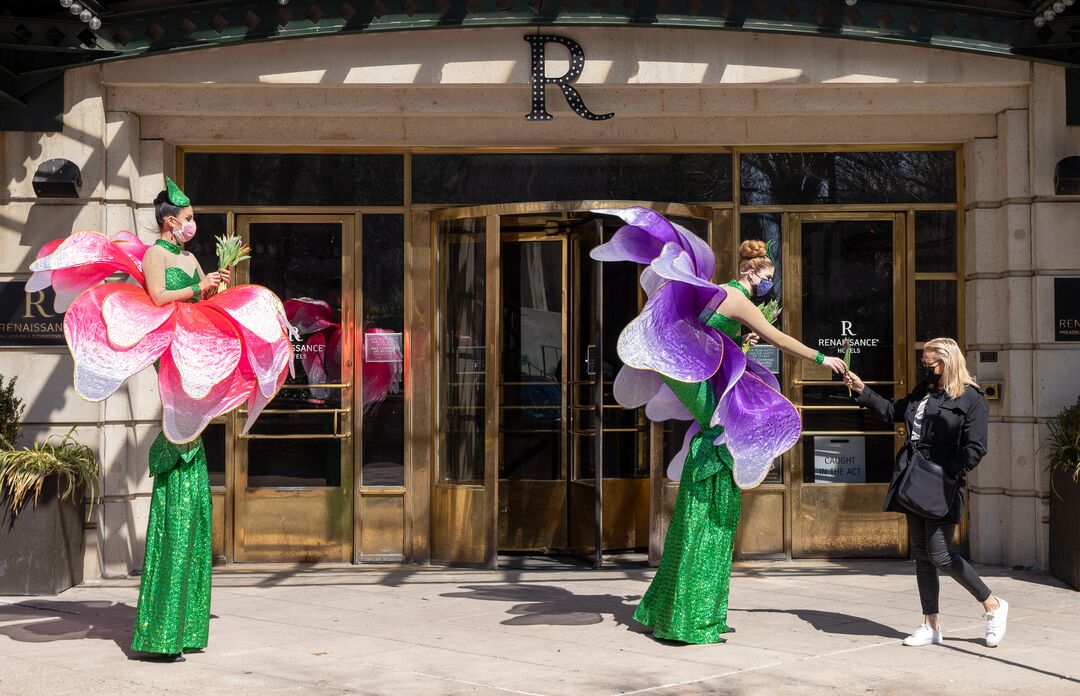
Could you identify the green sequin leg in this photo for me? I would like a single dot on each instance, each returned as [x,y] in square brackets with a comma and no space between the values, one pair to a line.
[688,598]
[174,596]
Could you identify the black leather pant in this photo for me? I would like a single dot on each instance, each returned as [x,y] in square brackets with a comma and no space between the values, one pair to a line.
[930,546]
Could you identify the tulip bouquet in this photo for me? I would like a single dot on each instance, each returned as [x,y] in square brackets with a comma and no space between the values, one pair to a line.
[771,311]
[231,250]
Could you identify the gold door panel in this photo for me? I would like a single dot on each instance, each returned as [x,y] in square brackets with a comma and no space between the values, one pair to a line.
[294,470]
[850,292]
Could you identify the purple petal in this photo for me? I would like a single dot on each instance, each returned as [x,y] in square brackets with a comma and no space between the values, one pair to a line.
[634,388]
[761,373]
[699,250]
[640,239]
[759,425]
[664,406]
[629,243]
[674,263]
[650,281]
[675,467]
[727,376]
[668,337]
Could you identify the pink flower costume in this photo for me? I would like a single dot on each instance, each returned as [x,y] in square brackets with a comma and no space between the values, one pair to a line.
[213,356]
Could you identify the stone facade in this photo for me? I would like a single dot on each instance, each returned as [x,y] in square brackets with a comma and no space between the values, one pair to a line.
[470,88]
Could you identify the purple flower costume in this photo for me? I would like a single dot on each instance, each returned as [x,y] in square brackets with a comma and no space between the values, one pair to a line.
[681,362]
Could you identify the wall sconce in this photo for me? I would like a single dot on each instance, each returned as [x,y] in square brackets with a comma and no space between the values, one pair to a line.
[57,178]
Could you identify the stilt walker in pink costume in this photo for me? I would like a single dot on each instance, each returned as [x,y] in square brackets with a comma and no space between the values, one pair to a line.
[214,351]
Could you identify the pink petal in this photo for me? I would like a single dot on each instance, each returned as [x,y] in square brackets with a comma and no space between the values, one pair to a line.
[131,245]
[258,401]
[313,358]
[130,315]
[206,349]
[310,316]
[89,249]
[184,418]
[42,279]
[253,307]
[100,368]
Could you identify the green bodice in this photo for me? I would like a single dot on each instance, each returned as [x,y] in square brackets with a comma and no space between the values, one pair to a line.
[729,326]
[176,278]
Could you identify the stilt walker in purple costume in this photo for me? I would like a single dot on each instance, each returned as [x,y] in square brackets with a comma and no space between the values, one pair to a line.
[681,361]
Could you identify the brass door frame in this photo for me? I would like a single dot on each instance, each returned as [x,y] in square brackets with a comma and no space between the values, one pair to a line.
[793,367]
[493,330]
[336,504]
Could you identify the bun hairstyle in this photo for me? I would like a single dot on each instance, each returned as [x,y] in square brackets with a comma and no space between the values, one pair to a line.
[754,256]
[163,209]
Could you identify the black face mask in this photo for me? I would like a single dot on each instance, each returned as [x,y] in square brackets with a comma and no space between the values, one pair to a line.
[929,375]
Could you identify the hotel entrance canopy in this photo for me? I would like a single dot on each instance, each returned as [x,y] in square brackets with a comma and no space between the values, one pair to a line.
[39,38]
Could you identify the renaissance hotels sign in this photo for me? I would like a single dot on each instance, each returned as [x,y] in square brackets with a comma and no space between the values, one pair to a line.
[26,318]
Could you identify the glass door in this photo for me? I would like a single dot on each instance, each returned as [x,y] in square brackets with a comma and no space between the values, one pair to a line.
[850,292]
[294,469]
[533,455]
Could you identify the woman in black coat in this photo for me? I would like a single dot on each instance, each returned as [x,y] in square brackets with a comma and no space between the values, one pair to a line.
[946,419]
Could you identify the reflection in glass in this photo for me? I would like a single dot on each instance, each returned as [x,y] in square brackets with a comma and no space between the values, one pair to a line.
[462,363]
[785,178]
[847,274]
[935,309]
[624,430]
[382,354]
[309,179]
[532,359]
[214,442]
[506,178]
[767,227]
[935,241]
[301,263]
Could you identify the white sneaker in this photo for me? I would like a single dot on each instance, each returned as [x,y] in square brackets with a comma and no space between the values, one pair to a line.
[924,635]
[995,624]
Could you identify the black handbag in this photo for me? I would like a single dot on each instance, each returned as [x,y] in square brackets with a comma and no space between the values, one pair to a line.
[924,487]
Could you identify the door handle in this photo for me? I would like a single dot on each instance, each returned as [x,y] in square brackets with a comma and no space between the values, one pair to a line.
[901,431]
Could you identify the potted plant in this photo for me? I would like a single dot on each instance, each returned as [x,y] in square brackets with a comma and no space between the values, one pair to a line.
[42,490]
[1063,453]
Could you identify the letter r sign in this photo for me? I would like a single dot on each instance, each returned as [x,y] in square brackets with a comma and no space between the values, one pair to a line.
[540,80]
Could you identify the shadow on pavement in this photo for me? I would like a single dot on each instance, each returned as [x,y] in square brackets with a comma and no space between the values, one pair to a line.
[1003,661]
[555,606]
[835,622]
[46,621]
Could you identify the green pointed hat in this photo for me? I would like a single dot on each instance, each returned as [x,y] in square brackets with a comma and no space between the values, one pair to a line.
[175,195]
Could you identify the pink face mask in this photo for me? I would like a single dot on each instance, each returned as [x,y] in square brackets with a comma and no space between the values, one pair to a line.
[185,232]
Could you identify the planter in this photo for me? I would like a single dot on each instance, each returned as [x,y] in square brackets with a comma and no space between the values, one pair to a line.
[1065,528]
[41,551]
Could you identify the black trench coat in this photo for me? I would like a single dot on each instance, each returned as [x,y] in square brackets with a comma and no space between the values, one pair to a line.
[953,434]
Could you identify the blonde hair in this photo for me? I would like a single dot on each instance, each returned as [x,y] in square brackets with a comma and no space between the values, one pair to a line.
[954,373]
[754,256]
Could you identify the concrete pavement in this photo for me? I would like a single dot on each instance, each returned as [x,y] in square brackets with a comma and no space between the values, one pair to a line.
[548,628]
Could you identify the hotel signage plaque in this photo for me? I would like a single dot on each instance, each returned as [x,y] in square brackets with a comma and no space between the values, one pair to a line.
[1067,309]
[27,318]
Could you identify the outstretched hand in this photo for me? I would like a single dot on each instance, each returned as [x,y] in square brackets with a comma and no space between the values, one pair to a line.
[854,383]
[835,364]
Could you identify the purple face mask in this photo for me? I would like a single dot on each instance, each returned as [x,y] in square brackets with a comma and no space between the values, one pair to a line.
[185,232]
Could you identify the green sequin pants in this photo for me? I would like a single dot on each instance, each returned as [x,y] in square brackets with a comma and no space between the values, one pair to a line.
[688,598]
[174,596]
